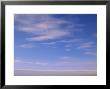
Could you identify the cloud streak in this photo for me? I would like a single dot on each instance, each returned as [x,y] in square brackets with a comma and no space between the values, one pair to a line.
[49,43]
[28,45]
[86,45]
[50,35]
[90,53]
[75,61]
[43,27]
[21,61]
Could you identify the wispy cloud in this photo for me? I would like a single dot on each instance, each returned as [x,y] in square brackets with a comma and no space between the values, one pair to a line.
[89,48]
[65,57]
[21,61]
[28,45]
[34,28]
[24,62]
[90,53]
[75,40]
[76,61]
[86,45]
[49,43]
[43,27]
[18,61]
[68,45]
[50,35]
[67,49]
[41,63]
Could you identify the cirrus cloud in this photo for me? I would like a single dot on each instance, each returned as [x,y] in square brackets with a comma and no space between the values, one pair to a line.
[43,27]
[28,45]
[86,45]
[52,34]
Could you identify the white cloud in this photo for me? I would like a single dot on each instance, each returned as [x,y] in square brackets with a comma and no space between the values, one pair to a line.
[75,61]
[40,63]
[43,27]
[68,49]
[50,35]
[28,45]
[53,47]
[43,23]
[34,28]
[18,61]
[21,61]
[75,40]
[49,43]
[86,45]
[90,53]
[65,57]
[24,62]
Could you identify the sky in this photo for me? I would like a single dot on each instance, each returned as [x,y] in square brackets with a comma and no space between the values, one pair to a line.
[55,42]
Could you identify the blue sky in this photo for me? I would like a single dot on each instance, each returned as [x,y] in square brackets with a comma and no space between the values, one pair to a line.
[55,41]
